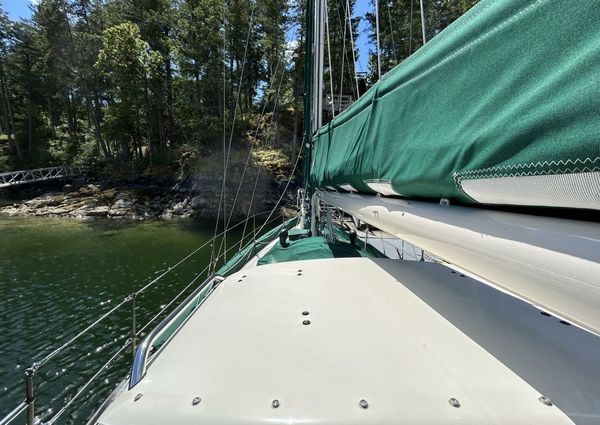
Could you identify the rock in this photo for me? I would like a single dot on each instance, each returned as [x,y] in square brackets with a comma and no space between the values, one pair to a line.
[198,201]
[100,211]
[178,208]
[123,203]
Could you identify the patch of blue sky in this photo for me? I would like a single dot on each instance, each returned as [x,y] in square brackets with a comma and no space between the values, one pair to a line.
[17,9]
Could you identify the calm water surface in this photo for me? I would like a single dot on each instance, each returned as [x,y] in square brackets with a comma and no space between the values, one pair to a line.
[58,275]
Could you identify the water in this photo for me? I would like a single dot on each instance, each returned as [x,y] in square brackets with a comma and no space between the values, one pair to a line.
[58,275]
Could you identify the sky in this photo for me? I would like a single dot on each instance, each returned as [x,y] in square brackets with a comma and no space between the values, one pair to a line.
[19,9]
[362,42]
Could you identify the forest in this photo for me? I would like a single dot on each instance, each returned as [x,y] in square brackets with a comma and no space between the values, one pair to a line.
[135,85]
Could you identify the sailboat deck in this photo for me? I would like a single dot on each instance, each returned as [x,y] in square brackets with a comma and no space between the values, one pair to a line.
[370,338]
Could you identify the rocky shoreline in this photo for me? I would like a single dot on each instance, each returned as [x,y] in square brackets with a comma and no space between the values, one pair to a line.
[133,202]
[94,201]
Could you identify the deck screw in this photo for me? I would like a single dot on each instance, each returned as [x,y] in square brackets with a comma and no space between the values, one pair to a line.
[306,322]
[138,396]
[275,404]
[196,401]
[363,403]
[305,313]
[454,402]
[545,400]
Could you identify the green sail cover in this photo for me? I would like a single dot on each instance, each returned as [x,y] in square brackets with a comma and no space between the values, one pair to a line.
[502,107]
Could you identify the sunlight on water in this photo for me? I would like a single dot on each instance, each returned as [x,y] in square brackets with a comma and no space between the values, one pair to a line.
[59,275]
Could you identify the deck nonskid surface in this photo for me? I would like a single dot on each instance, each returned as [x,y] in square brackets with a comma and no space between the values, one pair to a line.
[370,338]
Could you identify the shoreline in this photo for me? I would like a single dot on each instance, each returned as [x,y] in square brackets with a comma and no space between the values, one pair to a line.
[85,201]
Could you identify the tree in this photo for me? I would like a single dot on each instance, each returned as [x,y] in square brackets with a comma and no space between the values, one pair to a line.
[400,28]
[128,64]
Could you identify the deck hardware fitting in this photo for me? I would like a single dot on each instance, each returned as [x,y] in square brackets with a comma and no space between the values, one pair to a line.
[275,404]
[545,400]
[444,202]
[305,313]
[454,402]
[306,322]
[363,404]
[564,322]
[138,396]
[543,313]
[196,401]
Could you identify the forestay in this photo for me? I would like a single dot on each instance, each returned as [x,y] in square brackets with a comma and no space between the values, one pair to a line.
[499,108]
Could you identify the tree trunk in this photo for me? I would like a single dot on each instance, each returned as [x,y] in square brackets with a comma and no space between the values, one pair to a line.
[29,124]
[10,126]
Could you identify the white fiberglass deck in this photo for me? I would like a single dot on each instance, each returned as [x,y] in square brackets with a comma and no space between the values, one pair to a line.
[370,338]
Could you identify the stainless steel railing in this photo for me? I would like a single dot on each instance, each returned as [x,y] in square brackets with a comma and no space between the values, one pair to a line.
[147,347]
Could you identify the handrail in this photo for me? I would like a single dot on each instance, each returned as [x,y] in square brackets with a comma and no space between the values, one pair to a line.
[13,178]
[140,361]
[6,173]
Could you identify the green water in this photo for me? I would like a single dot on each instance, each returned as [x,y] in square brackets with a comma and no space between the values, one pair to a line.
[58,275]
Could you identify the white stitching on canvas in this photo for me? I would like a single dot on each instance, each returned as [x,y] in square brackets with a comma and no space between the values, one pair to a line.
[561,166]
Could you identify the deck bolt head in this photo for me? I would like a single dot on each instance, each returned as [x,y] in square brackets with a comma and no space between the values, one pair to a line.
[196,401]
[138,396]
[454,402]
[545,400]
[363,404]
[275,404]
[306,322]
[305,313]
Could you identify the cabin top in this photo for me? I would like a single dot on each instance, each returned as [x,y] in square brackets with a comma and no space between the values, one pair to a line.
[328,341]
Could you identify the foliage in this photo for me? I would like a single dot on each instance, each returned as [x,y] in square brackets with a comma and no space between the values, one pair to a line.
[139,83]
[400,31]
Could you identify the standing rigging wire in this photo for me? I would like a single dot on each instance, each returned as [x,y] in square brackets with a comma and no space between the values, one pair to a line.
[222,194]
[329,58]
[279,63]
[276,100]
[343,52]
[377,34]
[410,32]
[352,45]
[222,200]
[275,103]
[345,57]
[423,22]
[291,176]
[392,33]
